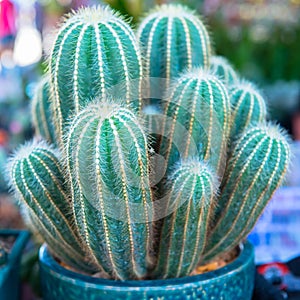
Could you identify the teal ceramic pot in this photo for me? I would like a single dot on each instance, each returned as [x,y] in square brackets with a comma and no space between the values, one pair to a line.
[234,281]
[10,268]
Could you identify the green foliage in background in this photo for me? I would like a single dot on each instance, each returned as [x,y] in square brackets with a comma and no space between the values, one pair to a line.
[265,60]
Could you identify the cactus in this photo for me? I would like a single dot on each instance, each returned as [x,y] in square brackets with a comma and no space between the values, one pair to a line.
[221,67]
[173,39]
[248,107]
[183,235]
[36,177]
[41,112]
[256,169]
[95,53]
[94,204]
[197,118]
[106,150]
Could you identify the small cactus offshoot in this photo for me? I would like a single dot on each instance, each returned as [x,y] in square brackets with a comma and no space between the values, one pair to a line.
[42,117]
[136,203]
[190,193]
[248,107]
[221,67]
[197,120]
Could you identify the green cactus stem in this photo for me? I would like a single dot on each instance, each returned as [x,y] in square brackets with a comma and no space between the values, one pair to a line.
[95,54]
[173,39]
[37,179]
[220,66]
[183,235]
[106,150]
[197,119]
[42,117]
[248,107]
[256,169]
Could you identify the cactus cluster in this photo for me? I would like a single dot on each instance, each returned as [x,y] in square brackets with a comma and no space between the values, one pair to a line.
[139,196]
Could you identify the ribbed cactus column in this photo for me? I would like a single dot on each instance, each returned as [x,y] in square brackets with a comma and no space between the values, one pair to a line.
[36,177]
[173,39]
[197,119]
[95,53]
[183,236]
[42,116]
[248,107]
[220,66]
[107,159]
[256,169]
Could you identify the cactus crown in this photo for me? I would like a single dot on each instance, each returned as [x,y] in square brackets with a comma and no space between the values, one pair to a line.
[221,66]
[133,204]
[94,15]
[173,10]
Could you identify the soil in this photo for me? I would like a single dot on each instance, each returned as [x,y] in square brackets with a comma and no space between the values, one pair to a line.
[217,263]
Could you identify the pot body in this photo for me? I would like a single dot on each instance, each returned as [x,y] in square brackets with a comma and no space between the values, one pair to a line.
[234,281]
[10,271]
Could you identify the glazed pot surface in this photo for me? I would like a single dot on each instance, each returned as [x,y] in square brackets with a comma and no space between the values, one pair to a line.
[234,281]
[10,270]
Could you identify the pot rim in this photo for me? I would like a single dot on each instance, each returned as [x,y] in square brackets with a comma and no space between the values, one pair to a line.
[246,257]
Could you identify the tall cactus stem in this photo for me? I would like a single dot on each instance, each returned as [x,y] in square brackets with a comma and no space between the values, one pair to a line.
[101,56]
[111,190]
[173,39]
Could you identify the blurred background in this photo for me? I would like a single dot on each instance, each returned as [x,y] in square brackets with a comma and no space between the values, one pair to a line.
[261,38]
